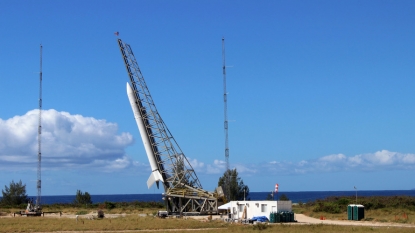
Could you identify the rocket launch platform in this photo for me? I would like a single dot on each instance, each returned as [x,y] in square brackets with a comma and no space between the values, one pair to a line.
[183,191]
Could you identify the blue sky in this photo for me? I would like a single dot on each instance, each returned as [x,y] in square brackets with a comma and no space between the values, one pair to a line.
[320,92]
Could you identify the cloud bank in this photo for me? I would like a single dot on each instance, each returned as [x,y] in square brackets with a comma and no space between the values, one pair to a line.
[79,142]
[377,161]
[68,141]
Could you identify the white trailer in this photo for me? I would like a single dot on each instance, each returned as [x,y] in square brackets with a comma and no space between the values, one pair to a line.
[250,209]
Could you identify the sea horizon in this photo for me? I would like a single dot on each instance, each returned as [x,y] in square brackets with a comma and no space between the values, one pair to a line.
[294,196]
[351,190]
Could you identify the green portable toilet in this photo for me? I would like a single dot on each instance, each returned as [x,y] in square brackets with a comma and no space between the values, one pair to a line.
[350,212]
[292,217]
[272,217]
[358,212]
[277,217]
[361,212]
[283,217]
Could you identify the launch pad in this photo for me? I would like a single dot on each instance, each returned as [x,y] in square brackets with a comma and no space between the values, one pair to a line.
[183,191]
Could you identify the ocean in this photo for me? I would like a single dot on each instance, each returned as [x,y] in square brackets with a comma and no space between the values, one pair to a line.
[295,197]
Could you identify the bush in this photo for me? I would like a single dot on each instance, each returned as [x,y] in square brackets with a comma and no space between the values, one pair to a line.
[100,214]
[82,212]
[14,195]
[284,197]
[109,205]
[339,204]
[343,201]
[260,226]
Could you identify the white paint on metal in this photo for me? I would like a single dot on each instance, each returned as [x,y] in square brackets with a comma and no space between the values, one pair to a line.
[155,175]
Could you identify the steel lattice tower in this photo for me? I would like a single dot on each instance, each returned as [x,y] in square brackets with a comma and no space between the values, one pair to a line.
[225,100]
[39,140]
[183,191]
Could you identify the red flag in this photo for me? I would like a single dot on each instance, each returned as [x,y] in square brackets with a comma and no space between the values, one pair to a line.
[116,33]
[276,188]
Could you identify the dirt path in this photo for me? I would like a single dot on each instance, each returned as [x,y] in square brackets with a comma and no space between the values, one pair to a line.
[132,231]
[302,219]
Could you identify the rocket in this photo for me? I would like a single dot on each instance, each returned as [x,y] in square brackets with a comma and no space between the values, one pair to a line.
[155,175]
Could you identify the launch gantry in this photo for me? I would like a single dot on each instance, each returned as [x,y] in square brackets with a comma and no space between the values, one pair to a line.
[183,191]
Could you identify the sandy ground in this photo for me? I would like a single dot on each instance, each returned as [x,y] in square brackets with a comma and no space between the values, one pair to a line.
[302,219]
[305,220]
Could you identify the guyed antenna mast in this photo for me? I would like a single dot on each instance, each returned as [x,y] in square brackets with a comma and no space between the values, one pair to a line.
[39,140]
[225,99]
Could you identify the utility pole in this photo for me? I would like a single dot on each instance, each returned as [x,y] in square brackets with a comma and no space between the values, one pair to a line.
[225,100]
[356,193]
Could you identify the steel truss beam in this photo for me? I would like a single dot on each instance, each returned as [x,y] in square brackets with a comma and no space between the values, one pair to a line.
[183,190]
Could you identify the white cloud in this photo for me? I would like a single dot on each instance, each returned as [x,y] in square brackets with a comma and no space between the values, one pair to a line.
[77,142]
[333,158]
[245,168]
[68,141]
[380,160]
[217,167]
[377,161]
[196,164]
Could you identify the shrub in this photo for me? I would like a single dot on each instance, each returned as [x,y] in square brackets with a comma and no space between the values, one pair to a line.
[82,212]
[339,204]
[284,197]
[82,198]
[100,214]
[14,195]
[260,226]
[109,205]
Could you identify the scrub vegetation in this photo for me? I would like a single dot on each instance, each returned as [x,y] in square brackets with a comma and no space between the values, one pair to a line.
[400,209]
[107,207]
[139,216]
[133,223]
[14,194]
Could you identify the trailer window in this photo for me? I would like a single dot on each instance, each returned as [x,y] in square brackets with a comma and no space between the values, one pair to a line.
[263,207]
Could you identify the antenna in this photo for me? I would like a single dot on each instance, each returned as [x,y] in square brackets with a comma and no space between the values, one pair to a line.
[225,99]
[39,139]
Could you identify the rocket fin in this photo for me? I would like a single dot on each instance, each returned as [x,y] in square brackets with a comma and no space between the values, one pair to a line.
[155,176]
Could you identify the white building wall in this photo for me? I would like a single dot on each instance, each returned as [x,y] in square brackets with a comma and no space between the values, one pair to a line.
[258,208]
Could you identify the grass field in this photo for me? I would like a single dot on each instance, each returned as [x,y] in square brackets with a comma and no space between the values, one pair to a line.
[378,209]
[140,217]
[136,223]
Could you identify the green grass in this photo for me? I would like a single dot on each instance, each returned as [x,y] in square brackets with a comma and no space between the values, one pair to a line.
[377,209]
[130,222]
[81,212]
[133,222]
[397,209]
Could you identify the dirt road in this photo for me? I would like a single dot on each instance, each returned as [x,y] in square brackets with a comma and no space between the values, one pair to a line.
[302,219]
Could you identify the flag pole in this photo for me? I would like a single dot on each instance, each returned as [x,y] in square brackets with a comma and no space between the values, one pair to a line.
[356,193]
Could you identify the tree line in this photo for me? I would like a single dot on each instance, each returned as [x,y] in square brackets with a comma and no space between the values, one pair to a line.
[15,194]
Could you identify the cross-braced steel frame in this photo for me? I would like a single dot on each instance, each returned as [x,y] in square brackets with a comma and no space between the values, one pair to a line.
[183,191]
[38,206]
